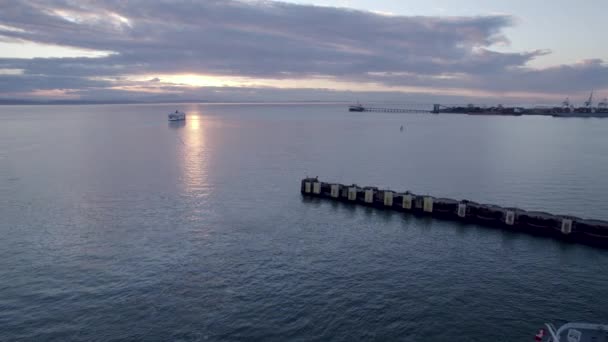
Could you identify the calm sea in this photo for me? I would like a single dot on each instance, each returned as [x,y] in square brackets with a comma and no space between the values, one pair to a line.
[116,225]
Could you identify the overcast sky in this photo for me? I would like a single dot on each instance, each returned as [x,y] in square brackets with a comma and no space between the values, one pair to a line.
[425,51]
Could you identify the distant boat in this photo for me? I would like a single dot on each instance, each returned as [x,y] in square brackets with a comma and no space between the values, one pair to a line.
[574,332]
[356,108]
[177,116]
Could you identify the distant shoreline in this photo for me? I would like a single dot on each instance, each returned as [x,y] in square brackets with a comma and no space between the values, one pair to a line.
[75,102]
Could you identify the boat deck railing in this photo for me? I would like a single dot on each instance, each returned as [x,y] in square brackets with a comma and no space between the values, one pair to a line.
[581,328]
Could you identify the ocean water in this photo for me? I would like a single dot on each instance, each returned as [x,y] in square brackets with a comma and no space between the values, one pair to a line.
[117,225]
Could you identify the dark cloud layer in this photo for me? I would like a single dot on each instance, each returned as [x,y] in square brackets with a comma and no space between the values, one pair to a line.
[273,40]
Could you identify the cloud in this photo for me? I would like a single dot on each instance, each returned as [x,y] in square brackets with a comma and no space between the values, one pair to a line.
[272,40]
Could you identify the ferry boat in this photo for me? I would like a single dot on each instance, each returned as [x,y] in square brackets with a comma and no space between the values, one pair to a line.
[177,116]
[356,108]
[574,332]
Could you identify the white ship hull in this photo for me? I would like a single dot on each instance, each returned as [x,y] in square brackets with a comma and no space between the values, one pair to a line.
[177,116]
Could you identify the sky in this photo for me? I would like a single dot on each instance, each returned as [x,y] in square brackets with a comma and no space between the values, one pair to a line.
[304,50]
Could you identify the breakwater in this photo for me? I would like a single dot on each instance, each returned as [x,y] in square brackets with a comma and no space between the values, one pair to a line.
[565,227]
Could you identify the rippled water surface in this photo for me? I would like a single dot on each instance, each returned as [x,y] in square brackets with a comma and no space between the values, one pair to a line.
[116,225]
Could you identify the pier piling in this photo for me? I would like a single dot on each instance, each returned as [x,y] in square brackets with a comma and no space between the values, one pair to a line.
[565,227]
